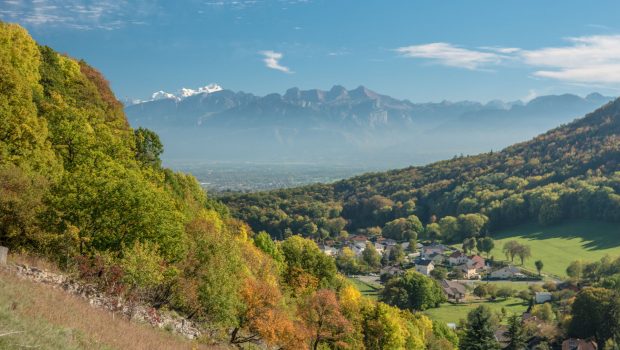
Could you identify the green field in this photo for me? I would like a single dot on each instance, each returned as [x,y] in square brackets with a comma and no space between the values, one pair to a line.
[452,313]
[369,290]
[558,245]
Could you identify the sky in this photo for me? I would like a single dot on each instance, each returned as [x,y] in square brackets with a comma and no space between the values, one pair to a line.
[418,50]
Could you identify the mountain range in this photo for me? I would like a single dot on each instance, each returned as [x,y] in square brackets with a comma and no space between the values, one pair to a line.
[357,126]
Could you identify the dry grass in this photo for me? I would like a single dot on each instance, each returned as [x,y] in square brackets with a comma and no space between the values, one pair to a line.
[33,260]
[48,318]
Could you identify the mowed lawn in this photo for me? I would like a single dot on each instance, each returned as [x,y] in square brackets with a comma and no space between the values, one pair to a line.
[452,313]
[559,245]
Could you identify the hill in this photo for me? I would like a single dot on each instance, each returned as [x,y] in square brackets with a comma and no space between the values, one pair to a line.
[81,188]
[569,172]
[357,126]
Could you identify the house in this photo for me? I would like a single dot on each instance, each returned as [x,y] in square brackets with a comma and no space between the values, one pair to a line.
[432,249]
[357,248]
[542,297]
[424,266]
[507,272]
[457,258]
[579,344]
[453,290]
[469,271]
[436,258]
[391,271]
[327,250]
[477,262]
[380,248]
[389,242]
[358,238]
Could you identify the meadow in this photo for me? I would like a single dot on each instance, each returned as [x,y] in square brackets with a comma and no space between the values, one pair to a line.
[558,245]
[452,313]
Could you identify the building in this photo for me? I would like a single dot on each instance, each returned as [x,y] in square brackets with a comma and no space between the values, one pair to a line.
[579,344]
[392,271]
[327,250]
[542,297]
[429,250]
[457,258]
[507,272]
[477,262]
[469,272]
[424,266]
[453,290]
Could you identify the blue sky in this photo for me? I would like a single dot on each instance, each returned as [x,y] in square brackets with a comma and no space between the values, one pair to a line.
[420,50]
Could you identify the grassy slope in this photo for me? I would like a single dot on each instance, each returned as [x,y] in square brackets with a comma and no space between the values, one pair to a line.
[52,319]
[558,245]
[452,313]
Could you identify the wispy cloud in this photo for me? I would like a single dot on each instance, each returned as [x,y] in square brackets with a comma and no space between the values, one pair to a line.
[76,14]
[451,55]
[584,60]
[588,59]
[272,60]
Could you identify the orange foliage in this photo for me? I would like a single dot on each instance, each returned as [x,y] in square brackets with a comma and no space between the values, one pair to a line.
[324,320]
[265,318]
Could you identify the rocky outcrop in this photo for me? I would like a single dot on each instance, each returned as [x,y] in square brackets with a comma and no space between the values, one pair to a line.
[116,305]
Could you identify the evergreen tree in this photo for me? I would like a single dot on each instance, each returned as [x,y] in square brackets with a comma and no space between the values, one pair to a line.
[479,332]
[515,333]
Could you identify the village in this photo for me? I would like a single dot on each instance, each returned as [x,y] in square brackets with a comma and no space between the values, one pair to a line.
[466,278]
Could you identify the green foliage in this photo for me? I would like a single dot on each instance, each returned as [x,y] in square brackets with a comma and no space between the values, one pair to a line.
[479,330]
[412,291]
[403,229]
[486,244]
[148,147]
[516,334]
[595,313]
[371,257]
[303,255]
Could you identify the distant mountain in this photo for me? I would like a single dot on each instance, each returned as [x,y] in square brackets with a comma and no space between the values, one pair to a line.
[339,125]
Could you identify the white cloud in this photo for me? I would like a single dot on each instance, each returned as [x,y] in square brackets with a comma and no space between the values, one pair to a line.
[272,60]
[589,59]
[76,14]
[585,60]
[450,55]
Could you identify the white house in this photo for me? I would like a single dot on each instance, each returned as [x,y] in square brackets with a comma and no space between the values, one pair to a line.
[542,297]
[507,273]
[424,266]
[469,271]
[457,258]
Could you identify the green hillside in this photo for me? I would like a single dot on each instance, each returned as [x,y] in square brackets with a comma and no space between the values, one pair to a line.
[558,245]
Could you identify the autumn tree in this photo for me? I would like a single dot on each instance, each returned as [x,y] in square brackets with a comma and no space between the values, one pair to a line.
[323,318]
[264,317]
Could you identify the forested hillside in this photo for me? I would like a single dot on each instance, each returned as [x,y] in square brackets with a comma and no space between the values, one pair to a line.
[81,188]
[571,171]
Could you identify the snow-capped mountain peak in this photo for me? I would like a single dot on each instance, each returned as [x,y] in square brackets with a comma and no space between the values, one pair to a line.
[160,95]
[180,95]
[185,92]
